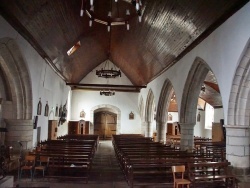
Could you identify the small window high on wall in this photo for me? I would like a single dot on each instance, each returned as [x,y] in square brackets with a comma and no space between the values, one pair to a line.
[209,116]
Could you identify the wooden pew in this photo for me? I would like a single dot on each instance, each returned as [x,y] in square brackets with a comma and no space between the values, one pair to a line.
[69,158]
[144,162]
[211,172]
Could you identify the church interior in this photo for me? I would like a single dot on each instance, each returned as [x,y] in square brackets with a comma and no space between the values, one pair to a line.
[124,93]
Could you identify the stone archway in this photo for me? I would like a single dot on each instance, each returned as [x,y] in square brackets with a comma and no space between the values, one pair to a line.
[18,101]
[238,128]
[162,110]
[149,114]
[190,96]
[109,108]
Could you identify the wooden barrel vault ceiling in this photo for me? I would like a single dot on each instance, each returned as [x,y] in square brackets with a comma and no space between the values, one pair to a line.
[169,29]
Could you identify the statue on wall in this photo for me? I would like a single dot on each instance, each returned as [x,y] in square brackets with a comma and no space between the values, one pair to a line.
[82,114]
[170,117]
[56,114]
[46,112]
[60,111]
[63,114]
[198,117]
[39,107]
[131,115]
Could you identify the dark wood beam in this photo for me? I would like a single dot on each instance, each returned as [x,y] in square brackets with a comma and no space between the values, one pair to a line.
[105,86]
[99,89]
[213,86]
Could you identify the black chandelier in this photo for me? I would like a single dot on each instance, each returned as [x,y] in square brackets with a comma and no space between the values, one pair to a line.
[111,20]
[107,72]
[107,92]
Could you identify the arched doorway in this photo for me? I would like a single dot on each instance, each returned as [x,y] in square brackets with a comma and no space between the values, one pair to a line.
[105,123]
[110,109]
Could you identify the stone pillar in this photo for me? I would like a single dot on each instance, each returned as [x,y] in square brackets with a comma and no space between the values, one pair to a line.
[237,148]
[149,129]
[187,136]
[143,128]
[19,130]
[161,132]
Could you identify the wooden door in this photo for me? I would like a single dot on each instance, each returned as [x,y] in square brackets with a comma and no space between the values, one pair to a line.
[105,124]
[99,124]
[73,127]
[52,130]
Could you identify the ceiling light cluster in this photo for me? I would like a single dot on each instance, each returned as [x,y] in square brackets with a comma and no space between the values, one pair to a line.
[110,20]
[107,72]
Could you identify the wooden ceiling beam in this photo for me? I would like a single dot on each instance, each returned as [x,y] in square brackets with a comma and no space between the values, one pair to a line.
[213,85]
[99,89]
[105,86]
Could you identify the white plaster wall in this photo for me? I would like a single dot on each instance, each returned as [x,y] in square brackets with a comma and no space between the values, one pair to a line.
[218,114]
[221,50]
[126,102]
[44,81]
[175,117]
[199,128]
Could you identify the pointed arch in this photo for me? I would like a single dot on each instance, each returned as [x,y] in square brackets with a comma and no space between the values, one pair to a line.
[239,101]
[164,100]
[141,108]
[191,91]
[149,106]
[17,79]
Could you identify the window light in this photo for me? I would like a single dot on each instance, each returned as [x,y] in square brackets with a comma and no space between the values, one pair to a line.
[74,48]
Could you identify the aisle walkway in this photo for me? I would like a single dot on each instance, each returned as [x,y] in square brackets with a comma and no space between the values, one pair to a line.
[105,173]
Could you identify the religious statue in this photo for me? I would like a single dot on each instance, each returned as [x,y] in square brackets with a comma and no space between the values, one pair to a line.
[39,107]
[46,112]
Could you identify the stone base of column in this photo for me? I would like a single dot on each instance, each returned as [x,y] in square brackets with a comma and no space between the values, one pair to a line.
[149,130]
[19,130]
[187,137]
[241,171]
[161,132]
[237,146]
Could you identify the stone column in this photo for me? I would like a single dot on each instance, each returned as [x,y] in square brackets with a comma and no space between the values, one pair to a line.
[237,148]
[143,128]
[187,136]
[149,129]
[161,132]
[19,130]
